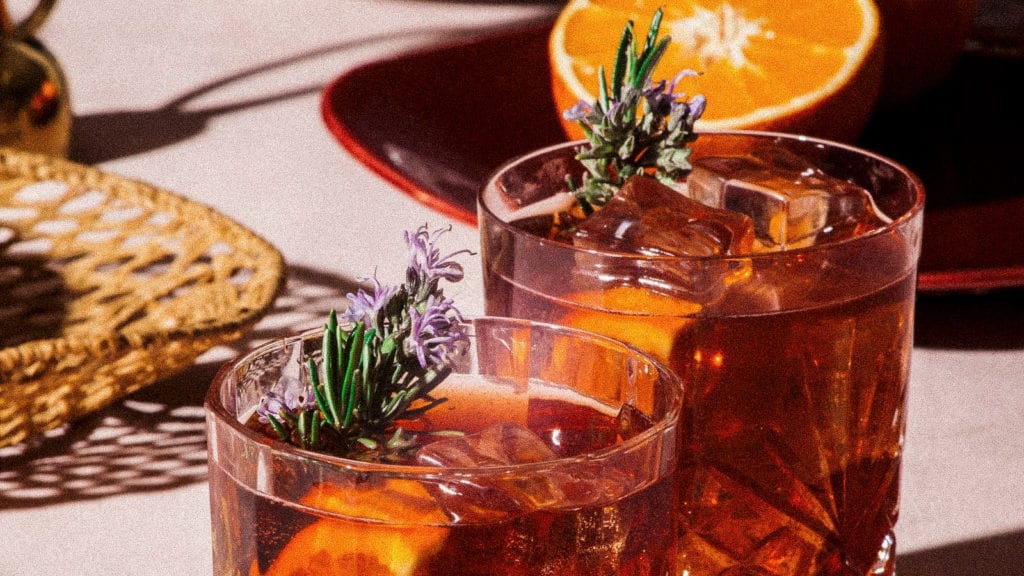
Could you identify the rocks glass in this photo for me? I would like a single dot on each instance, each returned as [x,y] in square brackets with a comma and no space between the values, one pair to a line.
[793,343]
[566,464]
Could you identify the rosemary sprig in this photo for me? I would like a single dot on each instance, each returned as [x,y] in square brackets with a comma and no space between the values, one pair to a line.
[378,367]
[635,126]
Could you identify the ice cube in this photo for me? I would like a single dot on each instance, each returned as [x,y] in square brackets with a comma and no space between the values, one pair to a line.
[536,188]
[646,217]
[791,202]
[497,445]
[533,181]
[490,496]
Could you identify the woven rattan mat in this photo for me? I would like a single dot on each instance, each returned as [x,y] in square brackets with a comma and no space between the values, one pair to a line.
[108,285]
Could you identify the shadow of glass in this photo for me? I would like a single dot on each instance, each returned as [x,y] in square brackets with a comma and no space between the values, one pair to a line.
[988,321]
[155,439]
[1001,555]
[107,136]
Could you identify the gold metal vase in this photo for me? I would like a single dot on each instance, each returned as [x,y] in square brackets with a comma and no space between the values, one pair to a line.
[35,112]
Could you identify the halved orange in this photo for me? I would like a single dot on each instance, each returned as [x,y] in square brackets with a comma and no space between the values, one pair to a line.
[806,66]
[401,525]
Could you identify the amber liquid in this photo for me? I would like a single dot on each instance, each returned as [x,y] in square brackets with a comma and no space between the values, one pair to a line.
[254,534]
[795,421]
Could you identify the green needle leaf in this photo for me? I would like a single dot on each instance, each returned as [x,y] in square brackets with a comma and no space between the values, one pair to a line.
[652,32]
[331,355]
[348,387]
[278,427]
[302,425]
[647,67]
[604,99]
[318,393]
[314,432]
[621,59]
[369,390]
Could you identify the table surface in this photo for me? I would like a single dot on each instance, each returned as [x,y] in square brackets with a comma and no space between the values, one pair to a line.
[219,102]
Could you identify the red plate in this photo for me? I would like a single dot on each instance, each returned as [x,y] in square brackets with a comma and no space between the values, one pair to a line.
[436,123]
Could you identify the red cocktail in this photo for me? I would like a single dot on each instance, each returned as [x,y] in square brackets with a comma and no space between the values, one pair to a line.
[553,454]
[781,289]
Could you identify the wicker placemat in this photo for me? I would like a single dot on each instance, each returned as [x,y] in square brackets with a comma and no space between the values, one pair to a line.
[108,285]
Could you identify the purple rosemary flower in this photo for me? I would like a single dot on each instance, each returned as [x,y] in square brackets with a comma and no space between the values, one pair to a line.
[579,111]
[435,325]
[659,101]
[285,400]
[426,262]
[695,107]
[662,98]
[619,108]
[435,331]
[365,308]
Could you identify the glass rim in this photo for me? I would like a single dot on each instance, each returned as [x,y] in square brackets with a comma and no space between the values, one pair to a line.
[910,214]
[215,409]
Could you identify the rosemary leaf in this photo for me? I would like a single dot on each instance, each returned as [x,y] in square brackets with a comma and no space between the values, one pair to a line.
[619,70]
[604,98]
[368,385]
[302,427]
[348,384]
[647,67]
[331,353]
[652,32]
[314,431]
[278,427]
[318,392]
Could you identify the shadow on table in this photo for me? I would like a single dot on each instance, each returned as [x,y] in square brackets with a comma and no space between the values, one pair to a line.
[1001,555]
[155,439]
[988,321]
[107,136]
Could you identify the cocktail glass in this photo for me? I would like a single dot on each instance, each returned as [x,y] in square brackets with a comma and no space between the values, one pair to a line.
[566,464]
[795,359]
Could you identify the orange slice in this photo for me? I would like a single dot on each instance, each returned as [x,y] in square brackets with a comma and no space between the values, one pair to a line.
[403,527]
[810,66]
[645,319]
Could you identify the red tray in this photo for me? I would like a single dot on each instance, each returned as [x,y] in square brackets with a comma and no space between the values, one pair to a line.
[437,122]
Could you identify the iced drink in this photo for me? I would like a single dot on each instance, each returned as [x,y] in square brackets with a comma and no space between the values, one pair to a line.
[553,454]
[778,281]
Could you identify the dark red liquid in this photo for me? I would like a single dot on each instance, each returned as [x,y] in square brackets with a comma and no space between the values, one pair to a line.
[494,534]
[795,402]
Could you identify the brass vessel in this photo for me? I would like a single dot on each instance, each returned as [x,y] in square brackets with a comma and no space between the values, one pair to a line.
[35,113]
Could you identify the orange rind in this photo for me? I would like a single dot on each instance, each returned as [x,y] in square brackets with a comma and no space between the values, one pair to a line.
[387,528]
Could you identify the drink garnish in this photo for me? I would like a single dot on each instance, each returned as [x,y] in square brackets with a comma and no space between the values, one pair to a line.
[635,126]
[379,365]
